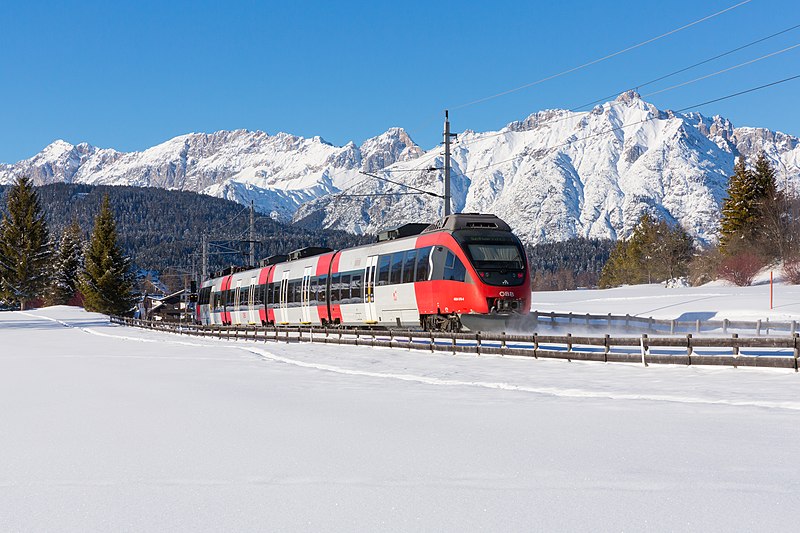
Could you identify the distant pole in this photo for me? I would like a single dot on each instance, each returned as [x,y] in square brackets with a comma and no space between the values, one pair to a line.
[770,289]
[205,257]
[446,163]
[252,235]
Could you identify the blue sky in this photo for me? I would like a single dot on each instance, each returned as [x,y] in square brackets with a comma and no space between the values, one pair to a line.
[131,75]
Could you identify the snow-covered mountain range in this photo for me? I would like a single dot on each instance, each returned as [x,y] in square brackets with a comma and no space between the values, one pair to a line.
[554,175]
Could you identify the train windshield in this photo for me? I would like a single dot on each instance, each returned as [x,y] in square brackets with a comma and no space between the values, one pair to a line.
[495,256]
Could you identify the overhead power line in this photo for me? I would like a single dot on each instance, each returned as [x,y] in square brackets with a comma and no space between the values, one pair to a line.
[676,86]
[684,69]
[600,59]
[624,126]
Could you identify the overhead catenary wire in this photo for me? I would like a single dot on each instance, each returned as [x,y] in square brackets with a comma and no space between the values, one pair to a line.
[574,117]
[600,59]
[347,186]
[684,69]
[660,91]
[624,126]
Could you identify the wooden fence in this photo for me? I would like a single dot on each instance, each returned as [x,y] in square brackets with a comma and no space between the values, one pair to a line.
[777,352]
[654,325]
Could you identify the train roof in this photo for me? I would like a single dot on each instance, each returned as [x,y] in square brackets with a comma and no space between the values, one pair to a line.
[459,221]
[469,221]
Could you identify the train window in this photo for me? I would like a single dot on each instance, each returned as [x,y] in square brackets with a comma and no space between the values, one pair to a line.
[408,266]
[312,293]
[423,263]
[356,288]
[335,288]
[384,262]
[323,289]
[298,294]
[503,256]
[344,297]
[290,296]
[396,270]
[244,296]
[454,269]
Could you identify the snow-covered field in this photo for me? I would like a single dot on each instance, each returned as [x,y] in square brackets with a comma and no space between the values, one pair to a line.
[714,301]
[116,429]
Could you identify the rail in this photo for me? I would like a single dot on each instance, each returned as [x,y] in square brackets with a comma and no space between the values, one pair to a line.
[775,352]
[655,325]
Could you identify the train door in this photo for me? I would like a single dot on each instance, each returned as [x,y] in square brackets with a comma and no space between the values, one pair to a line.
[305,296]
[237,314]
[251,296]
[370,270]
[282,313]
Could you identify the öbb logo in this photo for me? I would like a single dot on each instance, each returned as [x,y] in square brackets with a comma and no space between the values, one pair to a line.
[506,293]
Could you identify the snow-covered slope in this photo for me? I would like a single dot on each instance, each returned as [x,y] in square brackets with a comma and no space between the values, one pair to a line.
[554,175]
[560,174]
[279,172]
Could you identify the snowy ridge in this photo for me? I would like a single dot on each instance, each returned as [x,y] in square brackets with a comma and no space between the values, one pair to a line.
[279,172]
[552,176]
[559,174]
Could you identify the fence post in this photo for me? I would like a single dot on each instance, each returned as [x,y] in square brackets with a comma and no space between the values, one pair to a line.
[672,327]
[358,336]
[609,320]
[689,347]
[503,343]
[535,318]
[794,327]
[452,336]
[606,347]
[758,327]
[796,350]
[570,317]
[767,332]
[735,347]
[697,327]
[432,341]
[478,338]
[536,345]
[569,342]
[652,325]
[643,344]
[587,319]
[627,319]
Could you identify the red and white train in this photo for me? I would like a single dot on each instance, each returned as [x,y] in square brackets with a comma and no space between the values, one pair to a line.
[457,273]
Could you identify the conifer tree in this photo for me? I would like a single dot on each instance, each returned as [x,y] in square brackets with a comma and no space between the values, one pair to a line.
[66,266]
[24,246]
[773,235]
[654,252]
[106,282]
[751,195]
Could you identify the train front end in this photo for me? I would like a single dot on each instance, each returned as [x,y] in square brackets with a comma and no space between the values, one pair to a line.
[497,295]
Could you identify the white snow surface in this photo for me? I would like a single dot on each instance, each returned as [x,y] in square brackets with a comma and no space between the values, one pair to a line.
[555,175]
[718,301]
[112,428]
